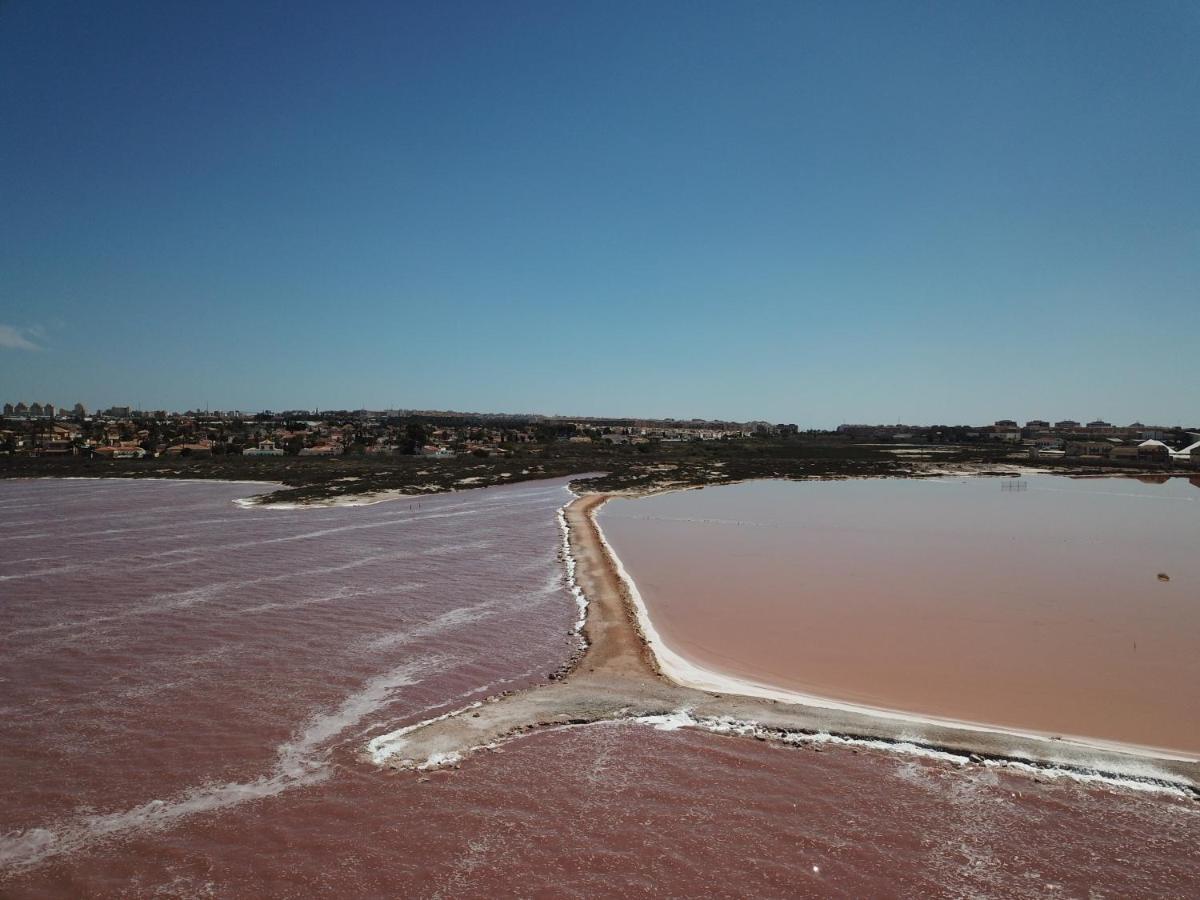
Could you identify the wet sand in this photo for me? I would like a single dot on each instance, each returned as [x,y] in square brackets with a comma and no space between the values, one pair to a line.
[618,676]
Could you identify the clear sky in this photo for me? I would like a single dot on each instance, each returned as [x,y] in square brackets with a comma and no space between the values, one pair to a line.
[800,212]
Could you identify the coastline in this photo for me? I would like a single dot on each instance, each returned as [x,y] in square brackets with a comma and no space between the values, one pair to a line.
[623,670]
[620,675]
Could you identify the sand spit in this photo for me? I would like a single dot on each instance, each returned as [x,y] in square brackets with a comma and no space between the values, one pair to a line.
[617,675]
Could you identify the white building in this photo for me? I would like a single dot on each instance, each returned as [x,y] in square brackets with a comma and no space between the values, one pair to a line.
[1188,456]
[264,448]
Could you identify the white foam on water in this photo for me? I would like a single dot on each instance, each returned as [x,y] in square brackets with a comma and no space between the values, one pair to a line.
[167,601]
[684,718]
[302,760]
[359,526]
[28,559]
[383,748]
[445,511]
[41,573]
[448,620]
[24,524]
[1144,778]
[341,593]
[440,759]
[581,602]
[26,537]
[670,721]
[463,615]
[107,534]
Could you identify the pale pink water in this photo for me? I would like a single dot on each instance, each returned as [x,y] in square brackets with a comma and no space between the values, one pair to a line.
[187,688]
[1035,609]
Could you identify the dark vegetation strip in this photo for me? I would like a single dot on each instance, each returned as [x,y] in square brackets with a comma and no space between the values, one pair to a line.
[624,467]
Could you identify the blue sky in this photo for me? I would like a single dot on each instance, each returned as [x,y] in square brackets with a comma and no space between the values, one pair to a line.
[802,212]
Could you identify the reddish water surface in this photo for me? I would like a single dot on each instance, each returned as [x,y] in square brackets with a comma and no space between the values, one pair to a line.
[627,811]
[164,652]
[187,688]
[1036,609]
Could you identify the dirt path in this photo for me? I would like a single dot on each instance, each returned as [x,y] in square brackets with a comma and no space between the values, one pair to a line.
[616,677]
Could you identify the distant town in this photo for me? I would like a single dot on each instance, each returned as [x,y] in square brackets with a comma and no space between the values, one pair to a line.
[121,432]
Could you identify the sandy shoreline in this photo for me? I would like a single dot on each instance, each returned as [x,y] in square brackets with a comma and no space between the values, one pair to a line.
[626,672]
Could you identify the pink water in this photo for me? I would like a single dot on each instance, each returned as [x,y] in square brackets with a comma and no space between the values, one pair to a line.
[187,688]
[165,652]
[1037,609]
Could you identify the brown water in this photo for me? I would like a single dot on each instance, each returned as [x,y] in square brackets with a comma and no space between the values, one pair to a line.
[1038,609]
[187,689]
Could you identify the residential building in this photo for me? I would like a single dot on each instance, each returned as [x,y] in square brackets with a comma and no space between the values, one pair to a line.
[1090,449]
[1148,452]
[119,451]
[197,448]
[264,448]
